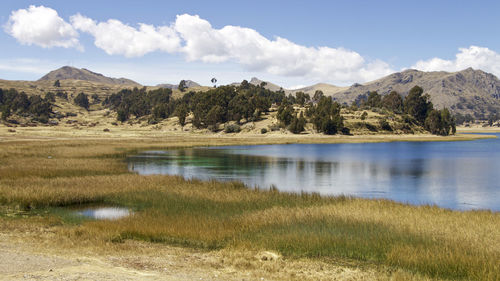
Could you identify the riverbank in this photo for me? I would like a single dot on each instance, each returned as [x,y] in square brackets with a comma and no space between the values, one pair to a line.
[312,237]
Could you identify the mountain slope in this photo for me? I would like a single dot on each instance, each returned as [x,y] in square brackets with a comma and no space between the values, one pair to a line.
[189,84]
[468,91]
[68,72]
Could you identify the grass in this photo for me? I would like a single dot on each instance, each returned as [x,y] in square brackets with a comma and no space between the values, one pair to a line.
[424,241]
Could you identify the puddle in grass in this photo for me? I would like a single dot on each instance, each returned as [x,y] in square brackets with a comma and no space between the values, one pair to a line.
[105,213]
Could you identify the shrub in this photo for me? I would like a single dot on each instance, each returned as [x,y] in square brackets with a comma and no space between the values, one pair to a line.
[263,131]
[82,100]
[384,125]
[232,128]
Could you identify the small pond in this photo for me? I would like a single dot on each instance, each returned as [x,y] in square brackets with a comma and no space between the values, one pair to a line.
[104,213]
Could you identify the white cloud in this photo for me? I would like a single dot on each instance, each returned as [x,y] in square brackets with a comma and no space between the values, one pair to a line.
[474,56]
[279,56]
[41,26]
[116,38]
[198,41]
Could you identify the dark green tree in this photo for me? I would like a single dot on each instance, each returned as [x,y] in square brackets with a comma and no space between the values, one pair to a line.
[297,124]
[374,100]
[417,105]
[393,102]
[285,114]
[82,100]
[57,84]
[181,112]
[182,86]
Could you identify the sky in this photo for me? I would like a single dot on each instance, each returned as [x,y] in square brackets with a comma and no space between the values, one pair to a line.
[290,43]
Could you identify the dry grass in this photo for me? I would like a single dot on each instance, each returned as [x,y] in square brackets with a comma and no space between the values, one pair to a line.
[407,241]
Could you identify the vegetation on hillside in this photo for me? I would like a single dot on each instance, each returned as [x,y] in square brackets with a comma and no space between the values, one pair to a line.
[35,107]
[247,102]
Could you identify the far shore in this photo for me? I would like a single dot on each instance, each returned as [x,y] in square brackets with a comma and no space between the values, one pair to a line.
[49,133]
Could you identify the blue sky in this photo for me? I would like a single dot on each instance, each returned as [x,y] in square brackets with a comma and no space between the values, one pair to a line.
[339,42]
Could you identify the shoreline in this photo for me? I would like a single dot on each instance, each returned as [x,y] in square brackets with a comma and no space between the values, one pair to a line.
[23,134]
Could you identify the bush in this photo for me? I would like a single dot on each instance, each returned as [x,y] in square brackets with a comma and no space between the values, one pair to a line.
[82,100]
[364,115]
[263,131]
[232,128]
[384,125]
[274,127]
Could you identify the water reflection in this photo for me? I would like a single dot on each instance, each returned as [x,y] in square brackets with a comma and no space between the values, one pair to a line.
[105,213]
[457,175]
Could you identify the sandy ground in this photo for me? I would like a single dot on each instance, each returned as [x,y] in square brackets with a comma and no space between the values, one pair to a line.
[26,259]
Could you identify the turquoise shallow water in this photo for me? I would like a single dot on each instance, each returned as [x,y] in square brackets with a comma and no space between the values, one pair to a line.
[456,175]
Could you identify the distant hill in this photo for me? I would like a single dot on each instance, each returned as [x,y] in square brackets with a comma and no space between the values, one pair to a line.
[270,86]
[72,73]
[189,84]
[468,91]
[327,89]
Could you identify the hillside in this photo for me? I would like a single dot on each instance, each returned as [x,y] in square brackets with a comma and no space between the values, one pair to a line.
[72,73]
[468,91]
[189,84]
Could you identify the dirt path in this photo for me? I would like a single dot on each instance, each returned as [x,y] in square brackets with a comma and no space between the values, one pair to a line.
[26,259]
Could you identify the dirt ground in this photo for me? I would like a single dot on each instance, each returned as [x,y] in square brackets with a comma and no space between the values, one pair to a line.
[26,259]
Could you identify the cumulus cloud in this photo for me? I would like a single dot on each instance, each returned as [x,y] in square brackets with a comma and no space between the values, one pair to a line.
[41,26]
[116,38]
[279,56]
[474,56]
[196,39]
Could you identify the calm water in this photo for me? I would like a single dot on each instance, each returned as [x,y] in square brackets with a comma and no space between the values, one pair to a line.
[105,213]
[456,175]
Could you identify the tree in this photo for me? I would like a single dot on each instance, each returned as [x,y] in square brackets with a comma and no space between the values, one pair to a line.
[50,97]
[82,100]
[393,101]
[5,112]
[374,100]
[297,124]
[181,112]
[417,105]
[440,122]
[57,84]
[302,98]
[182,86]
[95,98]
[214,116]
[317,96]
[285,114]
[122,114]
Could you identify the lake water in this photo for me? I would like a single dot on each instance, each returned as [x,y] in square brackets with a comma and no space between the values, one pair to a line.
[457,175]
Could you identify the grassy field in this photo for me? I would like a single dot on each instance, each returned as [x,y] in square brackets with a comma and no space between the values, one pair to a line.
[40,178]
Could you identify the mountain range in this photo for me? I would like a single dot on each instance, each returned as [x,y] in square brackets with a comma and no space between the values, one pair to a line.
[468,91]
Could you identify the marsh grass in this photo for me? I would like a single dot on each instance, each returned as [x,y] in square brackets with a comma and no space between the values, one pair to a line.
[425,240]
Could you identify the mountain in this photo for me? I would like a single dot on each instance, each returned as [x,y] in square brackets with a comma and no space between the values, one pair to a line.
[467,92]
[327,89]
[269,85]
[68,72]
[189,84]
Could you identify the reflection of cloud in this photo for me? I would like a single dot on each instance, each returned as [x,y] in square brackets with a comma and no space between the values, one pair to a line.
[418,173]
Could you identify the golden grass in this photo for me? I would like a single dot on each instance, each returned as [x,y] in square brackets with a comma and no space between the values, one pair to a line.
[424,242]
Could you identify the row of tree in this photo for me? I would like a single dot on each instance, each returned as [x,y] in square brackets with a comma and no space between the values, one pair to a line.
[36,107]
[416,105]
[209,108]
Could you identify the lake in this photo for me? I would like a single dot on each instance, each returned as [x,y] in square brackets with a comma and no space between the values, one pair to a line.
[460,175]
